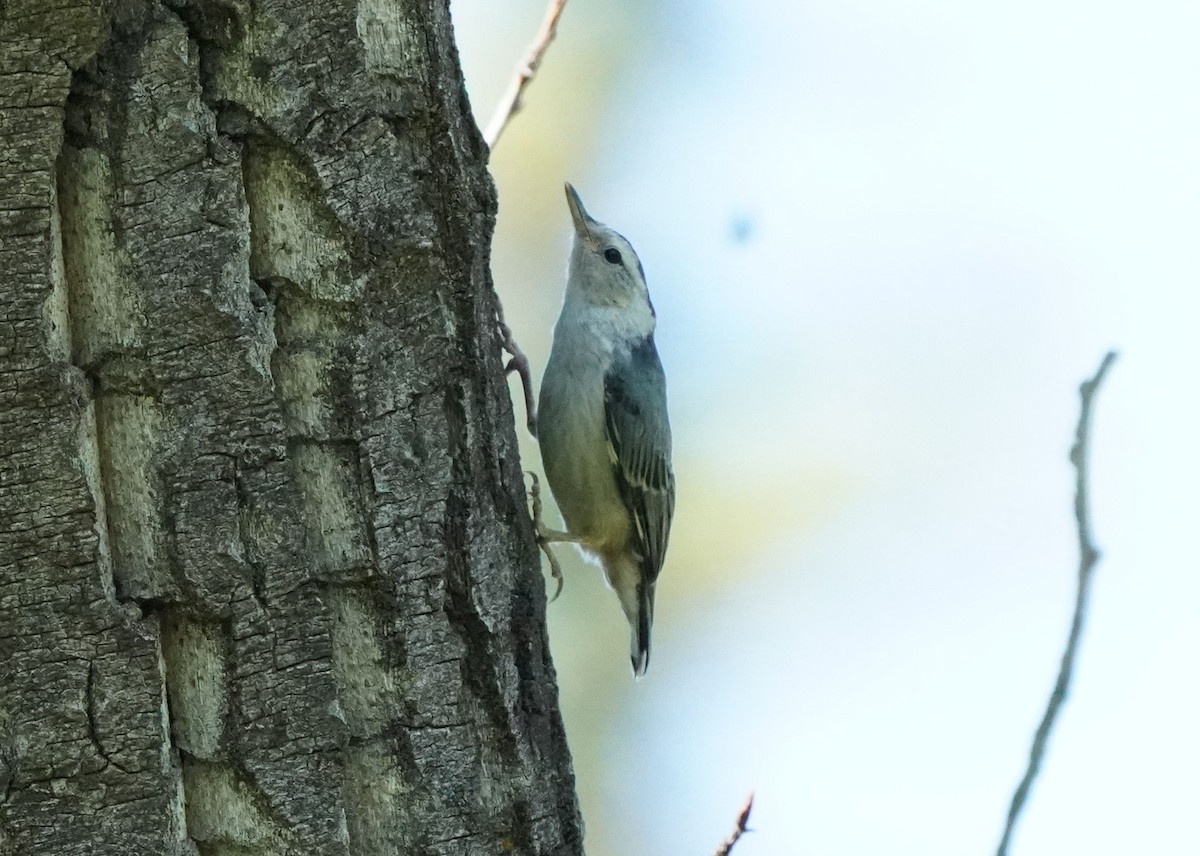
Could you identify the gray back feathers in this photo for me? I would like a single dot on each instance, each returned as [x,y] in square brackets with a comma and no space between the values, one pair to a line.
[639,437]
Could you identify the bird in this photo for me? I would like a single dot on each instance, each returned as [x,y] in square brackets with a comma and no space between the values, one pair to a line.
[603,430]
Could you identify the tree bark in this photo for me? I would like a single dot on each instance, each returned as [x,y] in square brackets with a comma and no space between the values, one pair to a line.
[267,579]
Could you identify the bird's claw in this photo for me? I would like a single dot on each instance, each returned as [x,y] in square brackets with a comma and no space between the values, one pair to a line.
[544,535]
[519,364]
[555,570]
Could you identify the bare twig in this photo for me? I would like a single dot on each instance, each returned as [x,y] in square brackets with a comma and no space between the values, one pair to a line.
[1088,556]
[510,103]
[520,364]
[739,830]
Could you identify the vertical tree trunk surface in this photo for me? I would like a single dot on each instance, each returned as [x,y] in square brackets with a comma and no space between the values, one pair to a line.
[267,580]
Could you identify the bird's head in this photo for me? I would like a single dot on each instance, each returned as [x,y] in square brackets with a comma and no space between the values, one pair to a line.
[603,269]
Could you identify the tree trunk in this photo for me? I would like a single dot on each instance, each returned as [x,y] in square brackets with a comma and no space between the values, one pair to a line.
[267,579]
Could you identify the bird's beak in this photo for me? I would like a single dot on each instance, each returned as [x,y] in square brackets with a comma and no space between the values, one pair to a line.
[579,214]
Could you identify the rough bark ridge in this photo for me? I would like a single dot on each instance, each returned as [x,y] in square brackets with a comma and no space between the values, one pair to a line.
[267,584]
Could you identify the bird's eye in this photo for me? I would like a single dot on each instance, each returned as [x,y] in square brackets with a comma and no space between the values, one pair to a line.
[612,255]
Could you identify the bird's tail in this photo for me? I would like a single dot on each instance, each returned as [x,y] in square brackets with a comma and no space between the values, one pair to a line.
[639,626]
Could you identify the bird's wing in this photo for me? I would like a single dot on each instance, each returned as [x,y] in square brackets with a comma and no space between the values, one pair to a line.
[639,444]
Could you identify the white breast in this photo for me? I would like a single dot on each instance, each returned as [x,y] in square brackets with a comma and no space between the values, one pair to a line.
[572,435]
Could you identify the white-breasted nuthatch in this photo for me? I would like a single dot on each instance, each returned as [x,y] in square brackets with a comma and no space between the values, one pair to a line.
[602,423]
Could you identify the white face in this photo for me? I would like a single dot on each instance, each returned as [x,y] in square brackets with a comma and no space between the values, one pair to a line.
[606,271]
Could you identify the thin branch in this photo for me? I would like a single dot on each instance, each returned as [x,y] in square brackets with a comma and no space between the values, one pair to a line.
[738,830]
[510,103]
[1088,556]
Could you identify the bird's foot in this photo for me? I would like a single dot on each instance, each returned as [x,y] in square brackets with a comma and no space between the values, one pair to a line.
[519,364]
[547,536]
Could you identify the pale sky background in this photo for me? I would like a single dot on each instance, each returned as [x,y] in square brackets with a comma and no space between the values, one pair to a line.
[886,242]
